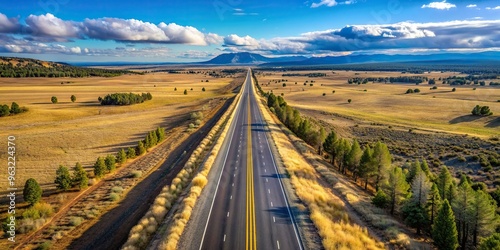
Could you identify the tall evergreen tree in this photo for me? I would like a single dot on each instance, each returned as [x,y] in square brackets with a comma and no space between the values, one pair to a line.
[140,148]
[434,202]
[367,166]
[414,211]
[444,181]
[80,177]
[396,188]
[99,167]
[382,157]
[121,157]
[329,145]
[63,178]
[354,159]
[415,168]
[444,230]
[483,217]
[342,148]
[110,162]
[461,208]
[131,153]
[32,192]
[425,167]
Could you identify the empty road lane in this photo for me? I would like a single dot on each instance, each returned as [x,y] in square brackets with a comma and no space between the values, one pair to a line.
[249,209]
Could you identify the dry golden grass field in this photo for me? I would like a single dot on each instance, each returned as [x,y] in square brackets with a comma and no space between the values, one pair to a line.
[437,110]
[64,133]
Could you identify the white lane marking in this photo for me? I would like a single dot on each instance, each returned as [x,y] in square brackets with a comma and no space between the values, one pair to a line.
[263,163]
[295,229]
[227,214]
[278,244]
[262,157]
[267,180]
[265,171]
[238,156]
[269,190]
[231,197]
[234,175]
[225,238]
[271,204]
[274,219]
[233,184]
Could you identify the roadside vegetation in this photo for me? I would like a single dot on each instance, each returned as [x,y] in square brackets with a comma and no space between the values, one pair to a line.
[410,192]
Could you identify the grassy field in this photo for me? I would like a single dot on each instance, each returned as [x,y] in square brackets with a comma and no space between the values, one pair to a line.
[52,134]
[437,110]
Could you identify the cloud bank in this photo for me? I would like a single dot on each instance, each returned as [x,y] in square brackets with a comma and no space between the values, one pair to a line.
[50,28]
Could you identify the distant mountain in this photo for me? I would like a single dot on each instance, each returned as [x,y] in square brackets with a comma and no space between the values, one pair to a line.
[351,59]
[251,58]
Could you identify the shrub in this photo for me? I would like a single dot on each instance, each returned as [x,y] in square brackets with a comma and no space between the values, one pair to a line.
[284,85]
[75,221]
[333,91]
[349,100]
[53,99]
[73,98]
[114,196]
[324,94]
[416,91]
[454,89]
[185,92]
[203,89]
[409,91]
[136,174]
[44,246]
[380,199]
[32,191]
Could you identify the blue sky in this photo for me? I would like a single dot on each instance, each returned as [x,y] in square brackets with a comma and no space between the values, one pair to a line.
[186,30]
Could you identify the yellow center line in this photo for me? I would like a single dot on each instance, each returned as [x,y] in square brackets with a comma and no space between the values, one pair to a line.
[251,235]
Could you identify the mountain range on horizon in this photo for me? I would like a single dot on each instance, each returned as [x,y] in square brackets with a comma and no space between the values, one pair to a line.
[247,58]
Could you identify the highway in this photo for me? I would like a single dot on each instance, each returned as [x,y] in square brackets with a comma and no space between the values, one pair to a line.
[248,209]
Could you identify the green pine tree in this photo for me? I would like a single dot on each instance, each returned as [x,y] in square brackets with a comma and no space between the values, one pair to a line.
[131,153]
[63,178]
[32,192]
[383,160]
[80,177]
[329,145]
[444,230]
[99,167]
[110,162]
[121,157]
[396,187]
[140,148]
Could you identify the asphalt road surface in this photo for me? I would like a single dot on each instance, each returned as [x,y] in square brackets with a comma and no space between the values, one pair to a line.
[249,209]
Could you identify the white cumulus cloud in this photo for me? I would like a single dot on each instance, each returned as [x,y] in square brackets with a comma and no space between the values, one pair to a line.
[439,5]
[471,6]
[49,25]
